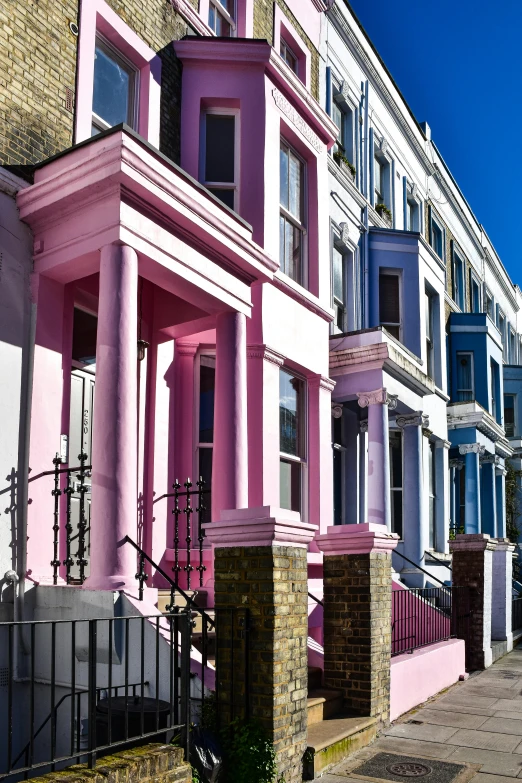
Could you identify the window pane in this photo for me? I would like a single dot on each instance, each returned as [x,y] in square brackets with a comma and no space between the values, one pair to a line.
[395,460]
[283,177]
[84,337]
[378,177]
[295,187]
[290,391]
[389,309]
[226,195]
[509,415]
[396,512]
[207,384]
[112,89]
[464,377]
[220,148]
[205,471]
[337,275]
[290,485]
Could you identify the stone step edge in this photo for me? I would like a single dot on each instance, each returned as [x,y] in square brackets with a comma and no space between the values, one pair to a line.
[322,696]
[360,725]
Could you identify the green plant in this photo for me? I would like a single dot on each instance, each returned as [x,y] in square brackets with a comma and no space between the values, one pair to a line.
[195,775]
[250,753]
[382,209]
[340,158]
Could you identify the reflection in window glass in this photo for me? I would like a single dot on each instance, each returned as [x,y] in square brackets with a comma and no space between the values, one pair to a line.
[113,90]
[291,228]
[291,446]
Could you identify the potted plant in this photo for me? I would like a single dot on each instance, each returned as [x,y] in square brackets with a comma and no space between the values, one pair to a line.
[384,212]
[344,164]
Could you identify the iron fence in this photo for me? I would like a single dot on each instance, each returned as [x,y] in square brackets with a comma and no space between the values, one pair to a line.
[77,689]
[421,616]
[516,614]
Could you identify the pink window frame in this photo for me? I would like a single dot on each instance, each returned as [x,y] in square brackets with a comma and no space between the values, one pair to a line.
[245,16]
[97,18]
[283,29]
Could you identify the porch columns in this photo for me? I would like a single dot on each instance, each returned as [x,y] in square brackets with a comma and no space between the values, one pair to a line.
[230,455]
[500,494]
[472,452]
[488,495]
[114,438]
[414,521]
[377,403]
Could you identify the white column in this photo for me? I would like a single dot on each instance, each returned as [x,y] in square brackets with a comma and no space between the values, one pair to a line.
[377,403]
[414,494]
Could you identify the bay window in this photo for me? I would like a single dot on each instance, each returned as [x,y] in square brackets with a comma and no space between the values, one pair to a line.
[222,17]
[291,440]
[115,89]
[465,376]
[292,231]
[390,302]
[220,158]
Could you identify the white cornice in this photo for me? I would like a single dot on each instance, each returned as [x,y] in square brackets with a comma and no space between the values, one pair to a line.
[470,414]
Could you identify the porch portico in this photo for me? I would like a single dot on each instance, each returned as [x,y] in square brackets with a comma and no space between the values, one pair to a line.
[158,259]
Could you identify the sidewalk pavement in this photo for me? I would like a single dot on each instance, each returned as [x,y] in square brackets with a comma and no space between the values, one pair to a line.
[478,722]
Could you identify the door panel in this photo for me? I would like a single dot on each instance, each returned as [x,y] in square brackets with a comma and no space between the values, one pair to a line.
[80,438]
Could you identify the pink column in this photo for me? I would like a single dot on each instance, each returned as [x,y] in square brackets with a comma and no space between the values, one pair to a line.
[184,358]
[263,425]
[114,439]
[320,460]
[377,403]
[230,452]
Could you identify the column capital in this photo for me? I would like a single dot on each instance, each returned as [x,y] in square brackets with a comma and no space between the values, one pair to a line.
[417,419]
[471,448]
[458,464]
[377,397]
[442,444]
[318,381]
[500,471]
[186,349]
[262,351]
[490,459]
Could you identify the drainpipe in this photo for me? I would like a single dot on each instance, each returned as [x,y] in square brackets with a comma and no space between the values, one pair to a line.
[365,139]
[366,270]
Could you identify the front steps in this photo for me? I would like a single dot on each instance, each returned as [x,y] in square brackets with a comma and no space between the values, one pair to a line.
[333,734]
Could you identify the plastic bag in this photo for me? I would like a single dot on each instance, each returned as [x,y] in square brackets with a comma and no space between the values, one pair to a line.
[206,755]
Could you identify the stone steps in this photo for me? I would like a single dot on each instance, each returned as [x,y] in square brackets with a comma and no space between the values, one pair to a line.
[322,704]
[330,741]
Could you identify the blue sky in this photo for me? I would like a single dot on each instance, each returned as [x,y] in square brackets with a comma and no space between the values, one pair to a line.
[457,63]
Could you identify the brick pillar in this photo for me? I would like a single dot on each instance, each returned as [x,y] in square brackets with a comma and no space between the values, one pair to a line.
[472,571]
[260,564]
[357,615]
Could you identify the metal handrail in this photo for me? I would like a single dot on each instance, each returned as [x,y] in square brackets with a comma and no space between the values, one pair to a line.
[420,568]
[317,600]
[173,585]
[426,552]
[60,470]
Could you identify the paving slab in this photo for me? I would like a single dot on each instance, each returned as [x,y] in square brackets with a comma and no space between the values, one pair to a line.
[508,714]
[446,706]
[513,705]
[425,731]
[485,740]
[488,689]
[471,699]
[492,762]
[460,720]
[485,777]
[503,725]
[435,750]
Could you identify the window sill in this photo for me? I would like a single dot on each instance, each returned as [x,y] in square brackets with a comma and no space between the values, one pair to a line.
[302,295]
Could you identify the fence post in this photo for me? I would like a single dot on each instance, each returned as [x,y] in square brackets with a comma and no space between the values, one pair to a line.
[501,628]
[260,564]
[357,615]
[472,570]
[93,639]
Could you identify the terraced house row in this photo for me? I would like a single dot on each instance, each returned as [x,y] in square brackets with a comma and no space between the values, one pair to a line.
[244,307]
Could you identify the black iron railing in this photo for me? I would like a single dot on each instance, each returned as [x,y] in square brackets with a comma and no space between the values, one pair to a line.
[420,616]
[77,689]
[516,614]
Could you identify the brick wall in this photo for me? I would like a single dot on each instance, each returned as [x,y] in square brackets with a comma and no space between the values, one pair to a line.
[357,630]
[272,583]
[149,764]
[38,63]
[264,28]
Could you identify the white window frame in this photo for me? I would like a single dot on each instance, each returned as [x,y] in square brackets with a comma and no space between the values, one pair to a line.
[509,394]
[348,132]
[440,228]
[302,459]
[502,329]
[473,280]
[133,113]
[472,390]
[300,225]
[216,110]
[285,46]
[395,273]
[456,292]
[336,244]
[231,20]
[489,296]
[430,338]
